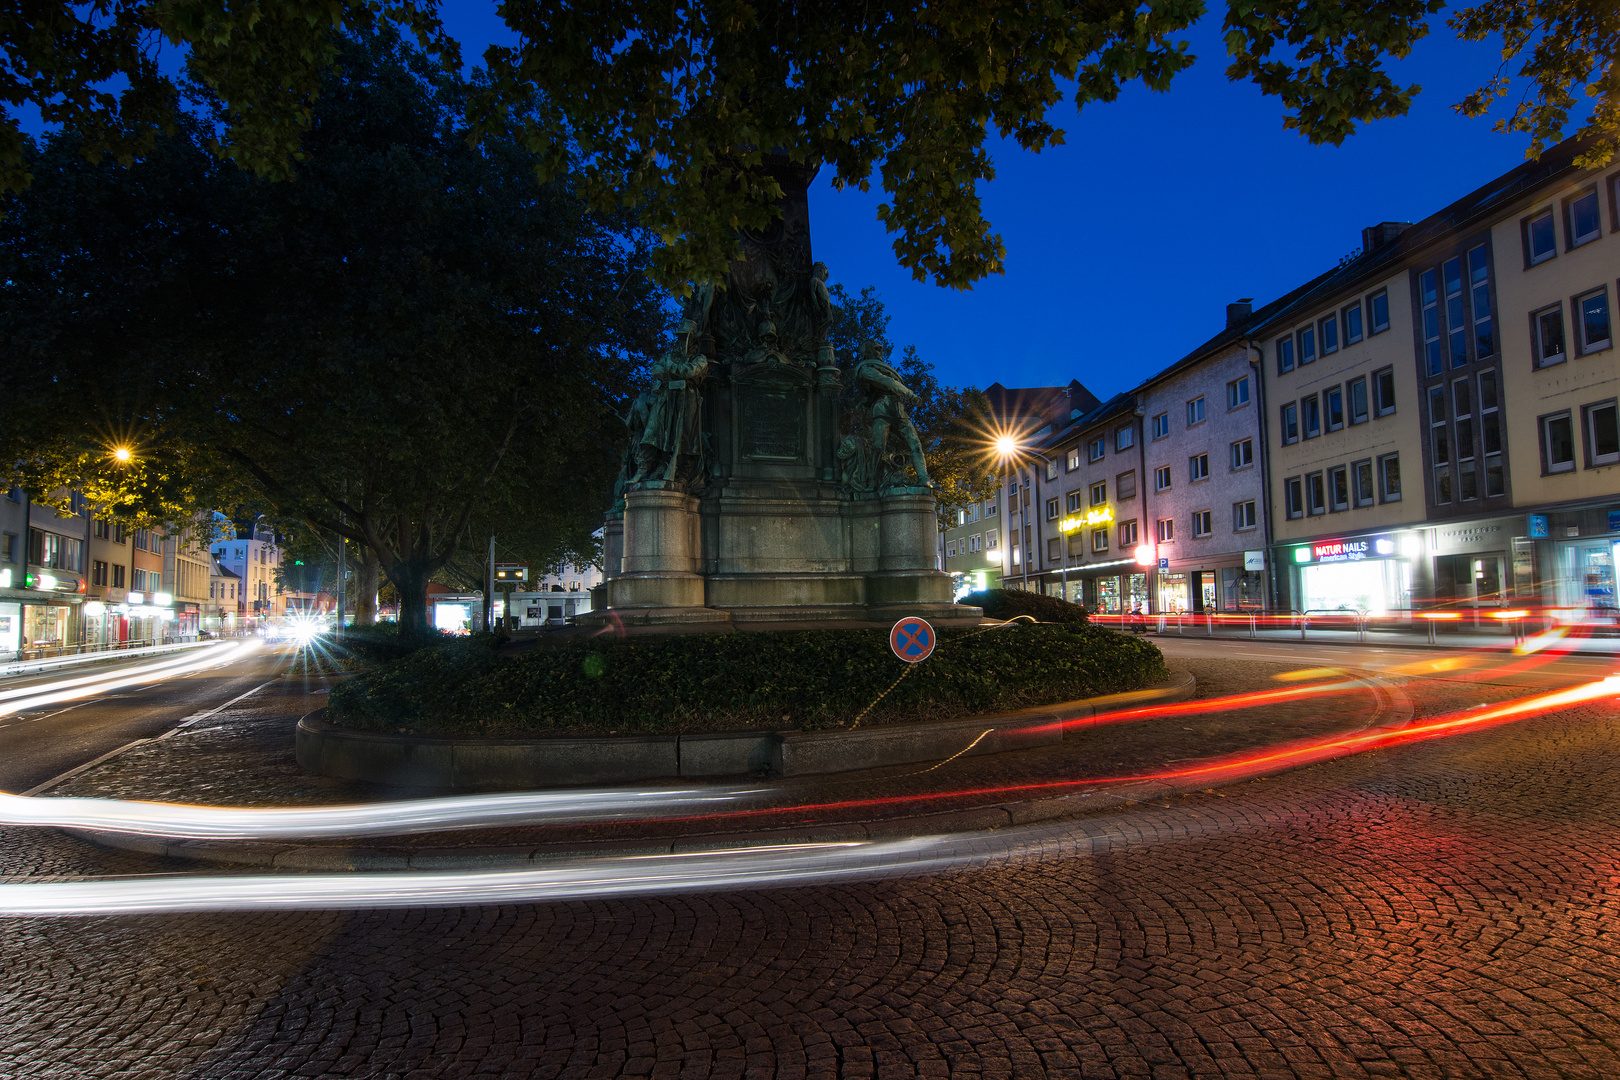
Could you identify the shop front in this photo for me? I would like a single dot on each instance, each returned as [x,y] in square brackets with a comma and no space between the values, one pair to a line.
[10,629]
[1369,574]
[1574,561]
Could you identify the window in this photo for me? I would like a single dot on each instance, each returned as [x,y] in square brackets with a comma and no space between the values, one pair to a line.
[992,508]
[1052,510]
[1338,485]
[1125,485]
[118,576]
[1311,416]
[1242,454]
[101,530]
[1439,438]
[1096,448]
[1099,540]
[98,573]
[1378,312]
[1602,434]
[991,541]
[1054,550]
[1547,336]
[1490,431]
[1592,316]
[118,534]
[1328,330]
[1243,516]
[1073,459]
[1582,222]
[8,547]
[1358,400]
[1293,497]
[1285,355]
[1161,425]
[950,549]
[975,543]
[1290,423]
[1198,467]
[1307,345]
[1361,474]
[1315,494]
[138,580]
[1195,411]
[1389,478]
[1073,501]
[1161,478]
[1167,530]
[54,552]
[1237,393]
[1540,244]
[1429,294]
[1467,481]
[1127,534]
[1201,523]
[1384,391]
[1456,324]
[1051,469]
[1333,405]
[1351,317]
[1124,439]
[1557,443]
[1099,493]
[1479,282]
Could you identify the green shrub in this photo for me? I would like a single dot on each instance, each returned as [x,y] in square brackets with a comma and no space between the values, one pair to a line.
[1011,603]
[720,682]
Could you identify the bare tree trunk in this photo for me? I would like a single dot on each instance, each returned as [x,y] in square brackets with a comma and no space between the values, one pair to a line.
[365,601]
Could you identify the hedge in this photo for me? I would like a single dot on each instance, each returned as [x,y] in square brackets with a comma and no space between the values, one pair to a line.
[726,682]
[1011,603]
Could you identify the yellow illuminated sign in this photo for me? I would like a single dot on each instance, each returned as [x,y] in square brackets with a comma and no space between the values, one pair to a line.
[1102,515]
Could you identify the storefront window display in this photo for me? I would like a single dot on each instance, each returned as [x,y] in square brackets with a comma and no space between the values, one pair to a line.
[1587,585]
[1356,574]
[1139,593]
[44,626]
[10,629]
[1108,595]
[1173,597]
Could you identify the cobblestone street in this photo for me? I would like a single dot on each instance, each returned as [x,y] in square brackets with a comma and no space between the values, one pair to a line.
[1446,909]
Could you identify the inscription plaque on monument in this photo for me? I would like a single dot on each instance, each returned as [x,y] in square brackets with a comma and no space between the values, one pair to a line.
[773,425]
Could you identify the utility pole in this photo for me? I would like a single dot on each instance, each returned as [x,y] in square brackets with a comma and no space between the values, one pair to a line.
[489,588]
[342,583]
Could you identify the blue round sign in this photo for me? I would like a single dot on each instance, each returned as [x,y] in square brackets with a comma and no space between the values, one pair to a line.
[912,639]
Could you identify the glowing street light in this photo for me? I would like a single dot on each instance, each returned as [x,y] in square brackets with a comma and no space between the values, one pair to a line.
[122,455]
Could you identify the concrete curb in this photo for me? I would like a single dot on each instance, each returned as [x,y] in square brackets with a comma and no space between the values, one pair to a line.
[1394,711]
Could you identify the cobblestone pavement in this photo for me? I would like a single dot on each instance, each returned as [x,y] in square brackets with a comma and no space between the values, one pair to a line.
[1442,909]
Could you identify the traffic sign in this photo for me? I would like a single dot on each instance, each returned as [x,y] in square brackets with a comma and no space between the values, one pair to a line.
[1164,564]
[912,639]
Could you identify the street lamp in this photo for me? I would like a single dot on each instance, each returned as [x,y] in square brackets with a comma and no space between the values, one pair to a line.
[1008,448]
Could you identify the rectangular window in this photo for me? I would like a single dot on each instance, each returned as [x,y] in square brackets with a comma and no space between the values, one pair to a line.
[1124,439]
[118,576]
[992,508]
[1467,481]
[1051,469]
[1237,393]
[1333,406]
[1442,484]
[1285,355]
[1074,501]
[1242,454]
[98,573]
[992,541]
[1456,322]
[1195,411]
[1167,530]
[1243,515]
[1592,316]
[1072,461]
[1602,434]
[1201,523]
[1125,485]
[1479,284]
[1378,312]
[99,529]
[1054,549]
[1198,467]
[1161,478]
[8,547]
[1429,295]
[1582,222]
[1290,423]
[1361,475]
[1389,478]
[1351,317]
[1384,391]
[1540,241]
[1547,336]
[1358,399]
[1127,534]
[1310,410]
[1099,493]
[1338,482]
[1490,431]
[138,580]
[950,549]
[1161,425]
[1328,329]
[54,552]
[1099,540]
[1439,438]
[1052,510]
[1096,448]
[1463,414]
[1557,443]
[1307,345]
[1315,494]
[1293,497]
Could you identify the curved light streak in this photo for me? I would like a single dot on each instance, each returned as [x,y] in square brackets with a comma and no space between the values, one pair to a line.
[83,686]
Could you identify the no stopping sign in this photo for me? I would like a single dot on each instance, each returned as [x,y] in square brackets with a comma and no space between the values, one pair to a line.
[912,639]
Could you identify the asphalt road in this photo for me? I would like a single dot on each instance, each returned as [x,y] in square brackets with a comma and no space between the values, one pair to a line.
[44,738]
[1441,909]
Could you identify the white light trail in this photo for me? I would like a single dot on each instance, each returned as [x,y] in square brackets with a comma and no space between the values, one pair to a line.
[56,691]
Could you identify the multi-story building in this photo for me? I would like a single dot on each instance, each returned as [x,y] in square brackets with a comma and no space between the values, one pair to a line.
[52,585]
[187,568]
[253,555]
[972,545]
[220,614]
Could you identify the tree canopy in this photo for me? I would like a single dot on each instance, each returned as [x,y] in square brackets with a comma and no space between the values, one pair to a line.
[669,107]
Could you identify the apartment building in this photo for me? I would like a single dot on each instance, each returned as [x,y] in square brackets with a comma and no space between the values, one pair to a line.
[187,568]
[42,584]
[972,545]
[252,555]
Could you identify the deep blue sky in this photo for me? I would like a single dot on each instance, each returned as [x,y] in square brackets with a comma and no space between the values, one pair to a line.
[1125,245]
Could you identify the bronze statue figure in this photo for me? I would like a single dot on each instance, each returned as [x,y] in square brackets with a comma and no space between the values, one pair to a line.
[886,396]
[675,426]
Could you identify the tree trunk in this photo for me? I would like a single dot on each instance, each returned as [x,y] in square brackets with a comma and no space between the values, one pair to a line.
[412,583]
[365,601]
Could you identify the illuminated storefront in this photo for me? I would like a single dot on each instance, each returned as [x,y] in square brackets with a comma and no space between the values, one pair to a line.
[1371,574]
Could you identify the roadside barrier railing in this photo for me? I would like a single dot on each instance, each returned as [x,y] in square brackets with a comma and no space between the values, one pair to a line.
[70,656]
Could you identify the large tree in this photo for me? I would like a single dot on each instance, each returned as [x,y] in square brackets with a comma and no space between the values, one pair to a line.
[413,332]
[668,106]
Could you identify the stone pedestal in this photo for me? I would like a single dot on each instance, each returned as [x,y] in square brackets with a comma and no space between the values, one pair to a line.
[658,581]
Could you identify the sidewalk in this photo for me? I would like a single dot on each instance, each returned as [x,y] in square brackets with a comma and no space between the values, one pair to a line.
[244,757]
[1322,631]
